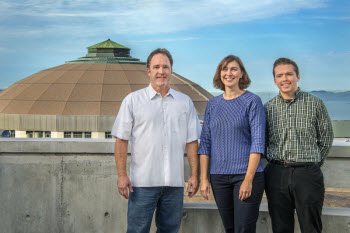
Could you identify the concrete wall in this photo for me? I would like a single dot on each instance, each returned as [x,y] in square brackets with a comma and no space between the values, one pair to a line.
[70,185]
[28,122]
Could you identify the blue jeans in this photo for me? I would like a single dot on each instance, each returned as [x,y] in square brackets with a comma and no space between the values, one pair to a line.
[168,202]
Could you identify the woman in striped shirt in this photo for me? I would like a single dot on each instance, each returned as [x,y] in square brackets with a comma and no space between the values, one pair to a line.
[232,142]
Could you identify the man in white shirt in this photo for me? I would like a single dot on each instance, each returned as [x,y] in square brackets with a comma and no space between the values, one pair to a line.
[160,124]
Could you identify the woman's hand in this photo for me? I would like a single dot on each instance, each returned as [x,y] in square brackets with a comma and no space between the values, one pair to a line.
[245,191]
[205,188]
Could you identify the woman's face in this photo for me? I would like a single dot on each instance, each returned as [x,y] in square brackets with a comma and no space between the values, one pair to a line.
[231,74]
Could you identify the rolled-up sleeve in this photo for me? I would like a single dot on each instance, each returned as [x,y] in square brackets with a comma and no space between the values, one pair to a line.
[205,142]
[123,123]
[257,122]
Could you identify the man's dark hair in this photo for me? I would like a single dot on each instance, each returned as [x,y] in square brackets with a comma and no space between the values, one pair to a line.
[285,61]
[157,51]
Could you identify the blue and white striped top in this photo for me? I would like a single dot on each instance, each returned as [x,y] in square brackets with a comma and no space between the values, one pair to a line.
[233,129]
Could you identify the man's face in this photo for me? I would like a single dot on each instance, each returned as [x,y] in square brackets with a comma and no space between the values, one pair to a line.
[159,72]
[286,79]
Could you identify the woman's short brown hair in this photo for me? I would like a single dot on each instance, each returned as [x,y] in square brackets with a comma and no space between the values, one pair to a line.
[244,82]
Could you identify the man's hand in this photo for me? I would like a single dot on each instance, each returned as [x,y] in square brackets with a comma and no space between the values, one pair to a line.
[245,190]
[205,188]
[192,183]
[192,186]
[124,184]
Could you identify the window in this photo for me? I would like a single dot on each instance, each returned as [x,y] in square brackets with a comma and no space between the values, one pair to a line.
[77,134]
[87,134]
[47,134]
[39,134]
[67,134]
[5,133]
[29,134]
[108,135]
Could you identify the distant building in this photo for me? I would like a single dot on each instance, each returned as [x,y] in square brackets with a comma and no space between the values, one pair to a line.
[80,99]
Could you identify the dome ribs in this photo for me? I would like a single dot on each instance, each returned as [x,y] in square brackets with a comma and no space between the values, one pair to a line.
[65,105]
[94,85]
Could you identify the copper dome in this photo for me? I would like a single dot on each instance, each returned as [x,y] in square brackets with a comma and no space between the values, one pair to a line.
[94,85]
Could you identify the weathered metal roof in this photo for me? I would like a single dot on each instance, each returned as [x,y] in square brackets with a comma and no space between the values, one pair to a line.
[86,89]
[83,95]
[108,52]
[108,44]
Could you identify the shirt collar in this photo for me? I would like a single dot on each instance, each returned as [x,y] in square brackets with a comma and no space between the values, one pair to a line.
[152,93]
[297,95]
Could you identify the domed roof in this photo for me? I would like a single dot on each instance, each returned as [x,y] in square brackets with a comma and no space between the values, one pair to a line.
[89,88]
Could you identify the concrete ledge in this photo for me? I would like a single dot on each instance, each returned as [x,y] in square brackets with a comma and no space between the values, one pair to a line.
[341,142]
[331,211]
[340,149]
[213,206]
[200,205]
[61,145]
[336,211]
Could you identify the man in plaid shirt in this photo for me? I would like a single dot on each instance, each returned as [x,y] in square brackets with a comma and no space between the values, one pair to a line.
[299,136]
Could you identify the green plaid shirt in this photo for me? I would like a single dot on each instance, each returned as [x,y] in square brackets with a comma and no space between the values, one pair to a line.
[298,130]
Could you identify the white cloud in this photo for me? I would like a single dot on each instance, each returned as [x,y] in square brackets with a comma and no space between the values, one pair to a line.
[6,50]
[149,16]
[340,18]
[80,14]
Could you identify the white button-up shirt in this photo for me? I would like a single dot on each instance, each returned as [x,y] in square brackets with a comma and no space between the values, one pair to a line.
[158,130]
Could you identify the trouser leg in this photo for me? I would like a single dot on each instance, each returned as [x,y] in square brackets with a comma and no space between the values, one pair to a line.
[280,202]
[141,205]
[169,210]
[223,194]
[247,211]
[309,196]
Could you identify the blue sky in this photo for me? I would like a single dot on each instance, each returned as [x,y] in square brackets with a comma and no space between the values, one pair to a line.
[36,35]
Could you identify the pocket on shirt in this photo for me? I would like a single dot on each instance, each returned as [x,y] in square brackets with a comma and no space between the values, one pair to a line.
[180,124]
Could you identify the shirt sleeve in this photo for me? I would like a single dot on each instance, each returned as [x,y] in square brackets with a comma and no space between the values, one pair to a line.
[267,138]
[193,125]
[205,142]
[123,123]
[257,122]
[324,131]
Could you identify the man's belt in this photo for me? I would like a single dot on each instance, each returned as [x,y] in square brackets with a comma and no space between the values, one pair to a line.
[293,164]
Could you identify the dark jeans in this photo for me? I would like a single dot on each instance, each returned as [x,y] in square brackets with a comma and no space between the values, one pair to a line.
[168,203]
[237,216]
[300,188]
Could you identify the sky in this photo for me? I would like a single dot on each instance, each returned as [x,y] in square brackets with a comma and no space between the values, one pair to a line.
[37,35]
